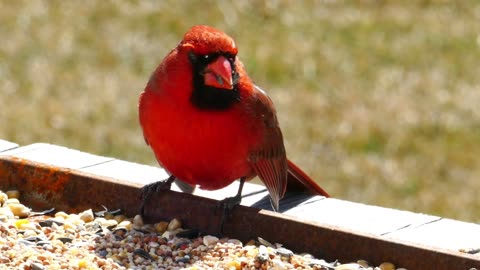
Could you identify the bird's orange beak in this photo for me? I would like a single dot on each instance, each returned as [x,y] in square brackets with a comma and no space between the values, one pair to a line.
[218,74]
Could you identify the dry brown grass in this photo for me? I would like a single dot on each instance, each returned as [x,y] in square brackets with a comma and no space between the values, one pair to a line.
[379,101]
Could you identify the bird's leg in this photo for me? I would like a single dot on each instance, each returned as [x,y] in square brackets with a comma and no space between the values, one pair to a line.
[229,203]
[155,187]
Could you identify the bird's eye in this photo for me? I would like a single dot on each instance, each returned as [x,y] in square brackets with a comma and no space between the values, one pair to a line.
[206,56]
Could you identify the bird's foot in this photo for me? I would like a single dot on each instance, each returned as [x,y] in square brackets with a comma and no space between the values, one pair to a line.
[152,188]
[226,205]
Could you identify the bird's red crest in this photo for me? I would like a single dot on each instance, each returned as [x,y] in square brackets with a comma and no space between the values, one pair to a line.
[205,40]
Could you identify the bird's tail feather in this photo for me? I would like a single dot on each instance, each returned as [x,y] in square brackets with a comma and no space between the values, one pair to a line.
[298,180]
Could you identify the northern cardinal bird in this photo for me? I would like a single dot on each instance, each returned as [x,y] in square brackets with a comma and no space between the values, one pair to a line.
[208,124]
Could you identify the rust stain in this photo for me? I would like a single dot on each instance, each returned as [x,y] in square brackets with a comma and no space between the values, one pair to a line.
[51,179]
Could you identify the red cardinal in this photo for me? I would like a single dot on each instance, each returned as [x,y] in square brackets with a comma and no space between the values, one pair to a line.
[208,124]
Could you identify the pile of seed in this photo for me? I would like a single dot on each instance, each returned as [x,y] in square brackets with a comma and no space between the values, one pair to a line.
[109,240]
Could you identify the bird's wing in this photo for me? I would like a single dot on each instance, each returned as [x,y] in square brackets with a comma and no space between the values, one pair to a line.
[269,159]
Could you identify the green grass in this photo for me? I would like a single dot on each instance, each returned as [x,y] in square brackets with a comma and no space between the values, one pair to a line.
[378,101]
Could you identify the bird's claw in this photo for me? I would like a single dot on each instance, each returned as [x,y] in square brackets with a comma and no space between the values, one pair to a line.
[226,206]
[229,203]
[153,188]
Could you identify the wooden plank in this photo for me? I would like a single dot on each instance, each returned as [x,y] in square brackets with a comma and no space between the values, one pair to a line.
[6,145]
[56,155]
[249,193]
[127,171]
[358,217]
[22,149]
[444,233]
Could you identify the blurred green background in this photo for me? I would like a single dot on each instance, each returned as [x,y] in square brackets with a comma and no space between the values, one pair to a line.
[379,101]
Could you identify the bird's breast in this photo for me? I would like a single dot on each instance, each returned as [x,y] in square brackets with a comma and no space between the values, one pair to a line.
[206,148]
